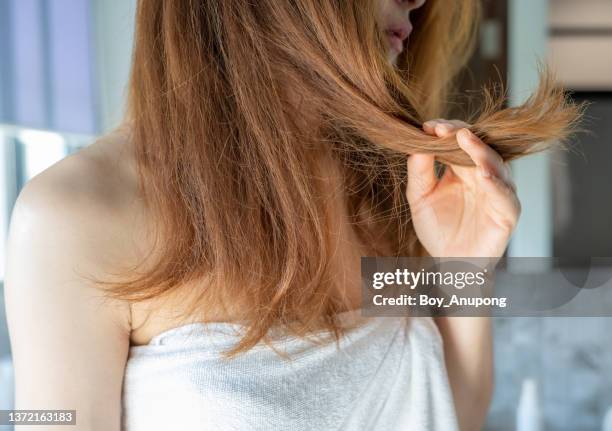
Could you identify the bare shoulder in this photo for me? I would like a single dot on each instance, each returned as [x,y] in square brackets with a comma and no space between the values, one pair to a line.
[100,178]
[77,220]
[83,219]
[91,195]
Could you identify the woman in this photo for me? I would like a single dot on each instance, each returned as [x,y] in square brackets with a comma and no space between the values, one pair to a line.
[267,146]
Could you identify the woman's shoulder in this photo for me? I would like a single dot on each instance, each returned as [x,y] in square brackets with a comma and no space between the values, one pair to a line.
[100,178]
[85,210]
[84,218]
[79,221]
[94,191]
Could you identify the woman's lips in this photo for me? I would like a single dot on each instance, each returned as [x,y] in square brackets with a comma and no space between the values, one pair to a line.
[397,35]
[396,42]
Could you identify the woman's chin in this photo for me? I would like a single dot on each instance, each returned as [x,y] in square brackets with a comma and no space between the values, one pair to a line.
[392,56]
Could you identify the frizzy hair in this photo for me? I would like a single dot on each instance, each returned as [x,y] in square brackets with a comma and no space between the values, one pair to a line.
[231,106]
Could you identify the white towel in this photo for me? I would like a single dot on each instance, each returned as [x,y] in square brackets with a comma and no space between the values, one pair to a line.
[387,374]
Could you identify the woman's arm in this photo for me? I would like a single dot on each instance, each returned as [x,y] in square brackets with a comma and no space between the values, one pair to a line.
[468,354]
[69,345]
[470,211]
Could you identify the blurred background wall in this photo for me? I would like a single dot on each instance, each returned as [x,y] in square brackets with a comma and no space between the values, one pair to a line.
[559,366]
[63,71]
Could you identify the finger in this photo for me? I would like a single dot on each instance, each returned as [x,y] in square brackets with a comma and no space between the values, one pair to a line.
[421,176]
[449,127]
[444,129]
[458,124]
[430,126]
[488,161]
[441,127]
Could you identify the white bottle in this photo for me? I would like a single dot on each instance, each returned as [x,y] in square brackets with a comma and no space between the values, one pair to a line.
[528,413]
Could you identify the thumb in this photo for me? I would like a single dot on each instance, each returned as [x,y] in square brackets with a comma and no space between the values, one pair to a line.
[421,176]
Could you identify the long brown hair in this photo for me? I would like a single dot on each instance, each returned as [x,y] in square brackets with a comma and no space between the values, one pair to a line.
[231,104]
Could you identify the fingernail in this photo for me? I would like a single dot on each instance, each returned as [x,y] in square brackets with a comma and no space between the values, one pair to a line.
[466,133]
[428,123]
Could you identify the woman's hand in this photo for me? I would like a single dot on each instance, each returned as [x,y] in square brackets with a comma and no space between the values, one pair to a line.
[469,211]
